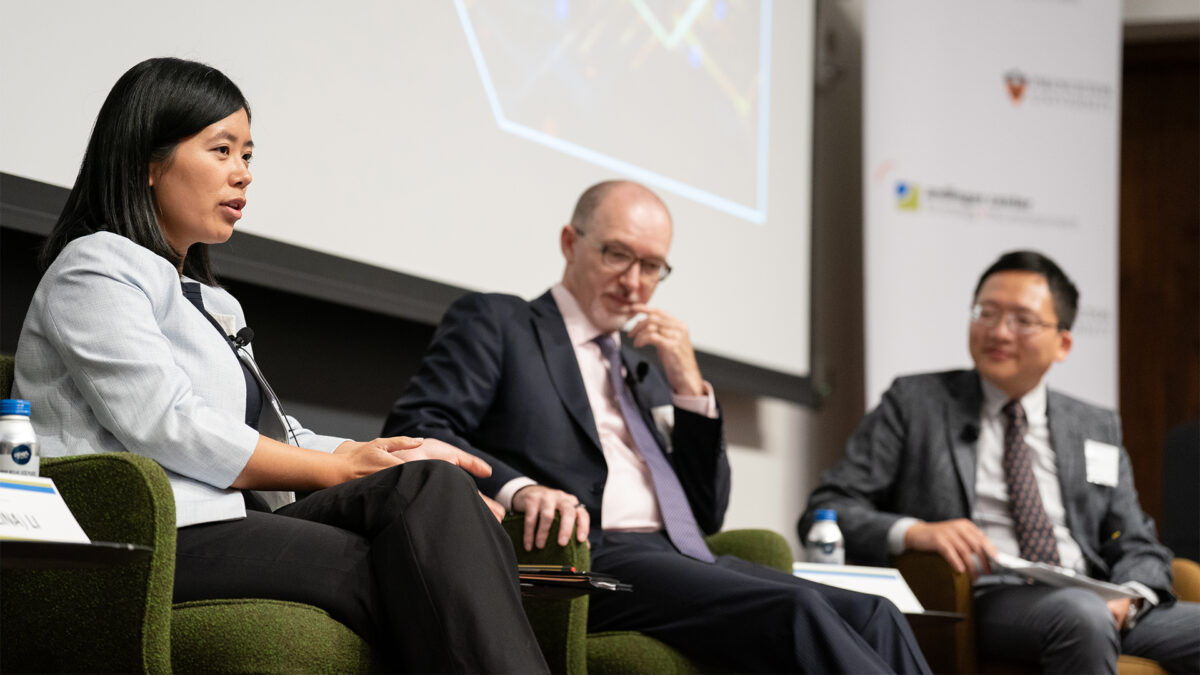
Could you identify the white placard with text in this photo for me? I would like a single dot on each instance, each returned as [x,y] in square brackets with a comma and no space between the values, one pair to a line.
[884,581]
[32,509]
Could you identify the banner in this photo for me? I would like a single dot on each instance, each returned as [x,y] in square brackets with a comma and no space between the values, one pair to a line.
[989,127]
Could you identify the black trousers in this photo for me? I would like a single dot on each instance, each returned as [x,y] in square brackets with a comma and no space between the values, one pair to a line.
[409,558]
[747,617]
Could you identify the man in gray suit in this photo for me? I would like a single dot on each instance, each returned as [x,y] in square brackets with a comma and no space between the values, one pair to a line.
[971,463]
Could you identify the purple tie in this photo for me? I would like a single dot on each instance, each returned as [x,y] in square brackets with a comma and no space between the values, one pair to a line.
[672,502]
[1035,534]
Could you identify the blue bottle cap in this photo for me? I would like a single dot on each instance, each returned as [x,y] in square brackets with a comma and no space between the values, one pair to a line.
[14,406]
[827,514]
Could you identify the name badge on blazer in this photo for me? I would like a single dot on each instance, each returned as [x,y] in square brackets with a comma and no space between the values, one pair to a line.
[1102,461]
[664,419]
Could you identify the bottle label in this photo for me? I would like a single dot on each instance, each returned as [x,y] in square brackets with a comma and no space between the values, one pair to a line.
[21,454]
[20,458]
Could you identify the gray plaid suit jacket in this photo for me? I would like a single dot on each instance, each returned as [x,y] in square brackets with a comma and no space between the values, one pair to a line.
[914,455]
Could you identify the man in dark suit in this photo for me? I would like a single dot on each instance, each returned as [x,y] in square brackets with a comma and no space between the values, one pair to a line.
[971,463]
[576,425]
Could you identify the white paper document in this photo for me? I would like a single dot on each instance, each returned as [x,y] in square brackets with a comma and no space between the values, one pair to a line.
[884,581]
[1059,576]
[32,509]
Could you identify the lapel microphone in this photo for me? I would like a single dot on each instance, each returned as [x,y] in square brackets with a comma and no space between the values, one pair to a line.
[970,433]
[243,337]
[637,375]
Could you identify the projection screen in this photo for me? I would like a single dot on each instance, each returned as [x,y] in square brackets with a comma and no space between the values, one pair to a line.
[449,139]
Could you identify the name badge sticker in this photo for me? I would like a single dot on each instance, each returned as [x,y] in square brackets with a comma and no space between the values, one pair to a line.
[1102,460]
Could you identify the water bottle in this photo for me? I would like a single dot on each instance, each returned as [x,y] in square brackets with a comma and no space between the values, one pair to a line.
[18,444]
[824,543]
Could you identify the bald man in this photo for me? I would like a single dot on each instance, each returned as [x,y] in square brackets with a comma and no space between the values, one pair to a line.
[631,456]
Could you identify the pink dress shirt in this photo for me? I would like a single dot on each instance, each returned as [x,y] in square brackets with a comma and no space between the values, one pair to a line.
[628,503]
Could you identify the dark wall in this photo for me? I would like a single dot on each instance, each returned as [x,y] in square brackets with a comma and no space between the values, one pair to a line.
[18,278]
[1160,261]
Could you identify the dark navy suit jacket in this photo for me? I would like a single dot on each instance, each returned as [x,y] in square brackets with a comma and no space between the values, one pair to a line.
[500,380]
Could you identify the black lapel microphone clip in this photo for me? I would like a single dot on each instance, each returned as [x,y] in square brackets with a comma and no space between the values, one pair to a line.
[243,337]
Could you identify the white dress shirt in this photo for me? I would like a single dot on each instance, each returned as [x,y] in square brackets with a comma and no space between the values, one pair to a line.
[991,512]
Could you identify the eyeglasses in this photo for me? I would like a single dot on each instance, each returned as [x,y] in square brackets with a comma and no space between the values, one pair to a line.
[1020,322]
[619,258]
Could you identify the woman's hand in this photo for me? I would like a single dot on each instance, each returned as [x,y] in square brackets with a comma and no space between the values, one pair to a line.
[277,466]
[401,449]
[432,448]
[493,506]
[364,459]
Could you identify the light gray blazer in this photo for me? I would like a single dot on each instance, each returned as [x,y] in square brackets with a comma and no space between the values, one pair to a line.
[915,455]
[113,358]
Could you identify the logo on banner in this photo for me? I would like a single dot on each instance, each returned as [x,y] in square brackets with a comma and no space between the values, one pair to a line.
[972,204]
[907,196]
[1014,82]
[1038,89]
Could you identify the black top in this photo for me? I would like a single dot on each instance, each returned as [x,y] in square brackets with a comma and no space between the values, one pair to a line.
[191,291]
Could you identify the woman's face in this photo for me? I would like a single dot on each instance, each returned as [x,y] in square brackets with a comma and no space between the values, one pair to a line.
[200,189]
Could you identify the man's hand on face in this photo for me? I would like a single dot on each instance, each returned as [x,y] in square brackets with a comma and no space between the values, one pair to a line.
[670,337]
[959,541]
[540,503]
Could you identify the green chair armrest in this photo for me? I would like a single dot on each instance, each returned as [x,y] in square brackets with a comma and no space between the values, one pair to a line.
[764,547]
[560,625]
[119,497]
[115,619]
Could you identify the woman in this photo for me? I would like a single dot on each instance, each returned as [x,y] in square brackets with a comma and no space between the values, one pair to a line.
[129,345]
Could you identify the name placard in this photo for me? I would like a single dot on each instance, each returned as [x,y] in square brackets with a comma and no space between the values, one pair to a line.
[32,509]
[885,581]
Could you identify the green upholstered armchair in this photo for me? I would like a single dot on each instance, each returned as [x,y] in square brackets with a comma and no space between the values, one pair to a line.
[561,625]
[122,619]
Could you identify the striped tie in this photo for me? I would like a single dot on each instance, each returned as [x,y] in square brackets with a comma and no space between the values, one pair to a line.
[1035,534]
[672,502]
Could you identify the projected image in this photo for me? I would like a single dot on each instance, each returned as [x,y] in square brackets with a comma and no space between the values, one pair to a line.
[673,93]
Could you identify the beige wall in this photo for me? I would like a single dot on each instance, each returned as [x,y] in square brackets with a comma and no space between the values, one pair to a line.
[778,449]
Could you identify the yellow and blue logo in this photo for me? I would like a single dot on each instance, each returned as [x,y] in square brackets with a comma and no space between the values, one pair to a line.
[907,196]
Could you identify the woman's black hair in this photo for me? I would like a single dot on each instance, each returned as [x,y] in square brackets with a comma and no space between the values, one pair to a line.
[154,106]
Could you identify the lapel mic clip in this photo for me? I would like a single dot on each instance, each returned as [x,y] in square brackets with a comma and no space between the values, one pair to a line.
[243,337]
